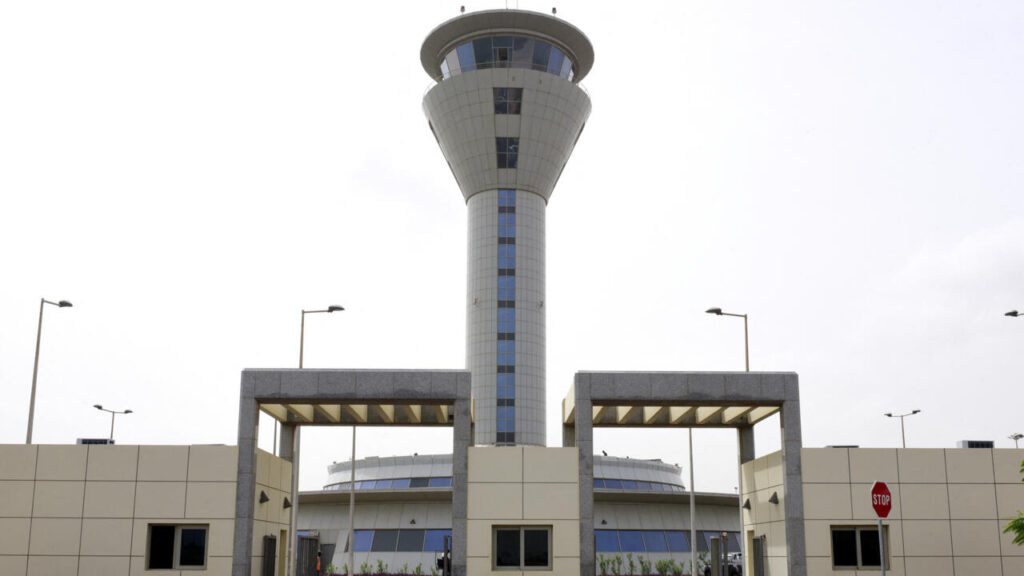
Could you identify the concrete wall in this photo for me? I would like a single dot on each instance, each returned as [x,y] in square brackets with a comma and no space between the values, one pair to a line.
[949,507]
[85,510]
[520,486]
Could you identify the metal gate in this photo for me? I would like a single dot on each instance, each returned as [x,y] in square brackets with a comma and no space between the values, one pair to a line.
[306,557]
[757,558]
[269,555]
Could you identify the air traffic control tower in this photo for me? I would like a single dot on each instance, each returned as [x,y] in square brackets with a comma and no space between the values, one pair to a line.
[507,111]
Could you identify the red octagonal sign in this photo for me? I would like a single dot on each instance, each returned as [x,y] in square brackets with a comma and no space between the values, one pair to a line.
[881,499]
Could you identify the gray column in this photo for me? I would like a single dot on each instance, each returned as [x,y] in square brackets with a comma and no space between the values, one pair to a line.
[792,481]
[248,432]
[584,442]
[462,439]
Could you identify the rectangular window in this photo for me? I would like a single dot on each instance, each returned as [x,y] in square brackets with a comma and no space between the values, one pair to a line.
[506,386]
[857,547]
[419,482]
[606,540]
[433,541]
[506,197]
[410,540]
[384,540]
[506,319]
[506,287]
[440,481]
[363,540]
[177,547]
[522,547]
[631,540]
[507,101]
[508,151]
[654,541]
[678,541]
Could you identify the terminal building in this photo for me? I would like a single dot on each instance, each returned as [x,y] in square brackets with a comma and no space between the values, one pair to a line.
[506,497]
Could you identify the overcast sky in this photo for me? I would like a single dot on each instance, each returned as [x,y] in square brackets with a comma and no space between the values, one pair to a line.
[193,174]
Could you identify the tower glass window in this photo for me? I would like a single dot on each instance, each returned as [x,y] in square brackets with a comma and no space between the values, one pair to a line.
[507,52]
[507,100]
[508,151]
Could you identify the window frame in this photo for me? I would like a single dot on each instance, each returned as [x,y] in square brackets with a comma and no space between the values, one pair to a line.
[857,529]
[522,547]
[176,546]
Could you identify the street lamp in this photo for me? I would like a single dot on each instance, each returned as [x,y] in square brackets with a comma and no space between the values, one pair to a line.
[903,432]
[1015,437]
[746,357]
[35,366]
[113,413]
[1013,313]
[293,541]
[302,331]
[746,341]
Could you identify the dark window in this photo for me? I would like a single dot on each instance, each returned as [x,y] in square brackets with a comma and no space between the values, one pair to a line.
[441,482]
[870,555]
[419,482]
[631,540]
[654,541]
[541,54]
[508,101]
[535,548]
[844,548]
[482,51]
[508,151]
[161,548]
[172,547]
[677,541]
[410,540]
[193,547]
[606,540]
[363,540]
[433,540]
[856,547]
[384,540]
[506,437]
[506,547]
[522,547]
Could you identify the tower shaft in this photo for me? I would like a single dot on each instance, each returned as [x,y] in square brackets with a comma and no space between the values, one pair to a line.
[506,113]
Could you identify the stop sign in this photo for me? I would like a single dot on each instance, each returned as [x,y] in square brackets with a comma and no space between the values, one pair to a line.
[881,499]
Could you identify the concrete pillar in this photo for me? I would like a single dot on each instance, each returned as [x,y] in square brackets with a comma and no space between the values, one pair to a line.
[792,481]
[584,442]
[248,432]
[462,439]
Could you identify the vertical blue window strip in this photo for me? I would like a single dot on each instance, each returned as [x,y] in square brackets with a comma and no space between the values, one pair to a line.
[506,347]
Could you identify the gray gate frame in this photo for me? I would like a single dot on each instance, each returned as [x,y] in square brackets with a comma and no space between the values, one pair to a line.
[343,387]
[696,389]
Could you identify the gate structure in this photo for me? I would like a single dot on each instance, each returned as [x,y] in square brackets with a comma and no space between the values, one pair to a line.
[687,400]
[304,397]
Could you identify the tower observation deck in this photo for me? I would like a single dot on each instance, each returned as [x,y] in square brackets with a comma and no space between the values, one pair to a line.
[507,111]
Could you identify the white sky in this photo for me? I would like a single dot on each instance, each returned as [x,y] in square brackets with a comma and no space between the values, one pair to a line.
[192,174]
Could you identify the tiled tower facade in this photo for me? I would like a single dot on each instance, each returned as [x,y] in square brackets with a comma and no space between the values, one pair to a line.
[507,111]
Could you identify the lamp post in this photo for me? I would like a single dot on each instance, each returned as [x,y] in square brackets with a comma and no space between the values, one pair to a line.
[746,361]
[746,341]
[903,431]
[1016,437]
[113,413]
[35,366]
[293,541]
